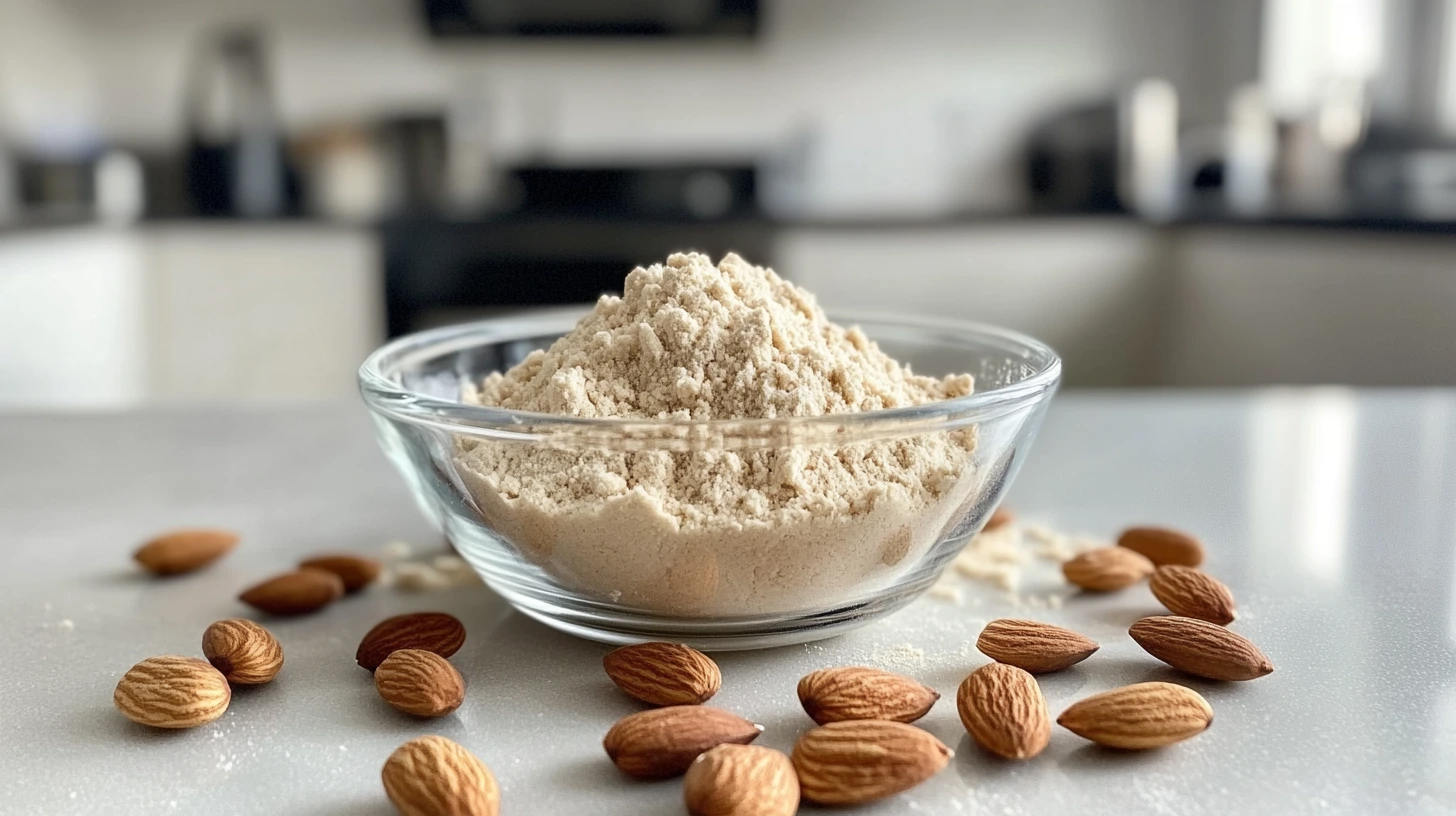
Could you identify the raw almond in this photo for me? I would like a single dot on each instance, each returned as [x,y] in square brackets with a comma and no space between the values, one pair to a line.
[1003,710]
[1201,648]
[245,653]
[859,693]
[856,761]
[1143,715]
[432,631]
[295,593]
[741,780]
[172,692]
[1000,517]
[355,571]
[434,776]
[1034,646]
[1106,569]
[1193,594]
[420,683]
[1163,546]
[663,742]
[185,550]
[663,674]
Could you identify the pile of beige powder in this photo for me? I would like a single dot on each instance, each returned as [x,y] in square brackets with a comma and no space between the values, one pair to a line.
[772,528]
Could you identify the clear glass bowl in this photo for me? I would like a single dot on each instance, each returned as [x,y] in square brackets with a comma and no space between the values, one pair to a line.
[624,569]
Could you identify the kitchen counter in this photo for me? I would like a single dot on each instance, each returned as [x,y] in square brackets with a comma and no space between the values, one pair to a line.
[1331,514]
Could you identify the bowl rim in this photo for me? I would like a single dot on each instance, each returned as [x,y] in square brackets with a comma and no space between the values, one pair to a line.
[384,395]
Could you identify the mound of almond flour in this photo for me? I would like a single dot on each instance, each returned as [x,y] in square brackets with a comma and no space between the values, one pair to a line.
[751,530]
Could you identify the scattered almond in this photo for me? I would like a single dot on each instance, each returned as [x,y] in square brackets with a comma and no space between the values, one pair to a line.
[355,571]
[432,631]
[1033,646]
[1163,546]
[663,742]
[185,550]
[663,674]
[1002,708]
[172,692]
[1201,648]
[420,683]
[859,693]
[1143,715]
[741,780]
[434,776]
[245,653]
[1000,517]
[1193,594]
[857,761]
[295,593]
[1106,569]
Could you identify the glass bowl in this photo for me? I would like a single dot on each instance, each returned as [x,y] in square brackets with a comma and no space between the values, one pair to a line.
[623,569]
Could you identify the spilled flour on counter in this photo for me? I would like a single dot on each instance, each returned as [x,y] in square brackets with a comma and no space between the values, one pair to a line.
[764,527]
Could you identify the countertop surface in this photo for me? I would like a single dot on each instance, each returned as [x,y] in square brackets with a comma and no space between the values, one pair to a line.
[1331,514]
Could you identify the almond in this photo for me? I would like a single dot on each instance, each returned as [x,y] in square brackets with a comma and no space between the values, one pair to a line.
[1143,715]
[185,550]
[1163,546]
[355,571]
[294,593]
[420,683]
[1201,648]
[856,761]
[245,653]
[434,776]
[1193,594]
[1002,708]
[1000,517]
[859,693]
[172,692]
[741,780]
[663,674]
[1033,646]
[1106,569]
[432,631]
[663,742]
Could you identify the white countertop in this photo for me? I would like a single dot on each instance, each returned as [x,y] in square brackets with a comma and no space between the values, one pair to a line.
[1331,514]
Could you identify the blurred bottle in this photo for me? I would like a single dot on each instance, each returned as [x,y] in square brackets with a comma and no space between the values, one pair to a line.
[9,187]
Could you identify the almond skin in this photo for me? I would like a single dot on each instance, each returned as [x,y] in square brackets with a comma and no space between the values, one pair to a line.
[857,761]
[741,780]
[663,674]
[434,776]
[1193,594]
[1163,546]
[1000,517]
[172,692]
[1003,710]
[420,683]
[860,693]
[1106,569]
[1143,715]
[182,551]
[355,571]
[1033,646]
[294,593]
[663,742]
[432,631]
[245,653]
[1201,648]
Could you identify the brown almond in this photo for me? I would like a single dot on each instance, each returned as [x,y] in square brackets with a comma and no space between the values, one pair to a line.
[1106,569]
[294,593]
[663,742]
[663,674]
[1163,546]
[1201,648]
[860,693]
[182,551]
[1002,708]
[245,653]
[1193,594]
[355,571]
[434,776]
[857,761]
[1000,517]
[420,683]
[1033,646]
[435,632]
[1143,715]
[172,692]
[741,780]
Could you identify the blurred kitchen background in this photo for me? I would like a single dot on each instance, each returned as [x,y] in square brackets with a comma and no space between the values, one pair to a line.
[214,200]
